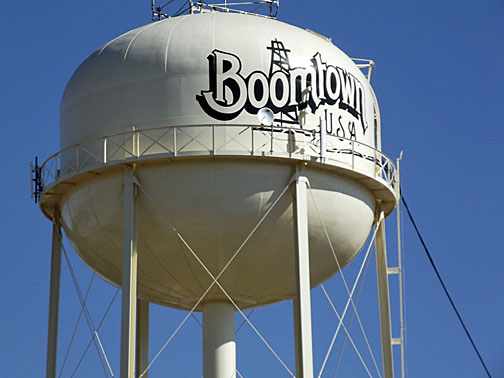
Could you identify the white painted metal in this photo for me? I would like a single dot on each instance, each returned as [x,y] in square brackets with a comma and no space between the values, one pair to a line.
[323,138]
[150,76]
[144,98]
[218,140]
[52,337]
[215,204]
[219,347]
[142,338]
[138,99]
[262,8]
[302,301]
[393,270]
[383,297]
[399,262]
[129,274]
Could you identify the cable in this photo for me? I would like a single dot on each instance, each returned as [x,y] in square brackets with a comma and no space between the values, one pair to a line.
[87,315]
[215,278]
[345,284]
[93,337]
[348,302]
[444,286]
[351,319]
[346,331]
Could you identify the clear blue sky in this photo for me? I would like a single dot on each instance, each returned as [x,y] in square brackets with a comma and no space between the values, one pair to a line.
[439,82]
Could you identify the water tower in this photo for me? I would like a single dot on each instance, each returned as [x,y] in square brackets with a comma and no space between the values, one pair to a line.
[206,161]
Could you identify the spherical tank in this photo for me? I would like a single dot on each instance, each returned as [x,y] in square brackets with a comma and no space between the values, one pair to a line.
[166,99]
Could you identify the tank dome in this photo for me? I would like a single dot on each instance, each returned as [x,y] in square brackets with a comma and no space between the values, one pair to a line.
[177,100]
[214,68]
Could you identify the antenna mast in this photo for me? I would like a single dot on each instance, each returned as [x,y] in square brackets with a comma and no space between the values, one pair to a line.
[174,8]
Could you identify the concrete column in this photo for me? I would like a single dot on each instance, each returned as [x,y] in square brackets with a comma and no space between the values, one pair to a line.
[302,301]
[219,347]
[54,293]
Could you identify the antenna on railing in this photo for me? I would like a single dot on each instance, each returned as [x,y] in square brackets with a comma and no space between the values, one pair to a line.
[36,180]
[171,8]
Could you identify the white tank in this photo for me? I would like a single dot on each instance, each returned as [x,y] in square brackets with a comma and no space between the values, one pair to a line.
[214,68]
[178,99]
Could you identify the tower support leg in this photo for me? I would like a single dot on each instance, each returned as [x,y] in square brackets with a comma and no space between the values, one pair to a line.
[302,301]
[52,337]
[383,298]
[219,347]
[142,338]
[129,275]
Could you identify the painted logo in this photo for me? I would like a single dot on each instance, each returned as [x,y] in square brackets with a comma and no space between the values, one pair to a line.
[289,91]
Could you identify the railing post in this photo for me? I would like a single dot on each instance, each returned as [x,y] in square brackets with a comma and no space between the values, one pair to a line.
[252,139]
[289,147]
[174,141]
[374,162]
[271,140]
[105,150]
[323,138]
[135,142]
[138,134]
[213,152]
[77,157]
[353,155]
[59,163]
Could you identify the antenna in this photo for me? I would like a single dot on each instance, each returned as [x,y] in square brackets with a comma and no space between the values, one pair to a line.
[36,180]
[174,8]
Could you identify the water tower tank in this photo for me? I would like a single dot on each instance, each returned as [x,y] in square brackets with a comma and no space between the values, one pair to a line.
[177,100]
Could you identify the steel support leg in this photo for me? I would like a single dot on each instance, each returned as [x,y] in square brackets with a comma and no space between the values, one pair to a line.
[302,301]
[142,338]
[52,337]
[383,299]
[129,275]
[219,347]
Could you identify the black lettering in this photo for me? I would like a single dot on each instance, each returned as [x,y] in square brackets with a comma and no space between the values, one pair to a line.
[287,90]
[351,130]
[341,130]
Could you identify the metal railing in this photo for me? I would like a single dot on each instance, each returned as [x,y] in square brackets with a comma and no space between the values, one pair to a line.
[215,140]
[172,8]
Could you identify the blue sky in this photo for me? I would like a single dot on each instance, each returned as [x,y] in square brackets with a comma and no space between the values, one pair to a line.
[439,82]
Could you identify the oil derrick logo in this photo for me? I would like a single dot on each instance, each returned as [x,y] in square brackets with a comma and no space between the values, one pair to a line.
[280,63]
[291,92]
